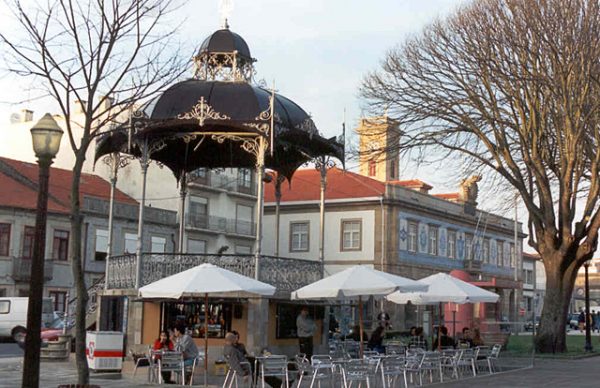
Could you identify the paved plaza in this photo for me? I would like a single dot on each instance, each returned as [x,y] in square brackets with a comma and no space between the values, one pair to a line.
[560,373]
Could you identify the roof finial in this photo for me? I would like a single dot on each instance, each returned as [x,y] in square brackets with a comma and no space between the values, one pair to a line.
[225,8]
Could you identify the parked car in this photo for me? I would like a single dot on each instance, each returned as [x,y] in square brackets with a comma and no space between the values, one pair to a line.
[529,324]
[13,317]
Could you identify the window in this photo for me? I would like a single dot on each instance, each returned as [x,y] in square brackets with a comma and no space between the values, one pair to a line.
[243,249]
[393,168]
[433,240]
[59,299]
[412,236]
[243,224]
[196,246]
[299,240]
[285,321]
[159,244]
[130,243]
[351,235]
[468,246]
[198,216]
[4,239]
[2,292]
[500,259]
[528,276]
[4,306]
[193,314]
[60,245]
[28,237]
[245,178]
[486,250]
[451,244]
[512,255]
[372,168]
[101,244]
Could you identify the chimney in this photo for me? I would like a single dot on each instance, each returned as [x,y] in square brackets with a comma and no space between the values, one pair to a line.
[106,103]
[78,106]
[26,115]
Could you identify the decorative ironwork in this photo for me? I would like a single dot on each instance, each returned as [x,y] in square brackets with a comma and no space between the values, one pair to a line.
[122,159]
[285,274]
[250,143]
[223,66]
[202,111]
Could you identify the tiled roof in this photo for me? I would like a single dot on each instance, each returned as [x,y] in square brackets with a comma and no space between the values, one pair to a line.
[19,187]
[306,186]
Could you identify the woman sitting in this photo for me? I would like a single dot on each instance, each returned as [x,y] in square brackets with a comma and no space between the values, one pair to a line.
[376,340]
[163,343]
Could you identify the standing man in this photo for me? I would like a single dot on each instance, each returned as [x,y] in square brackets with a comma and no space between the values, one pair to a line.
[305,327]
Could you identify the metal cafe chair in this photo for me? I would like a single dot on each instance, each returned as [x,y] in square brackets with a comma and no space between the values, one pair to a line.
[359,371]
[171,362]
[232,376]
[492,357]
[273,366]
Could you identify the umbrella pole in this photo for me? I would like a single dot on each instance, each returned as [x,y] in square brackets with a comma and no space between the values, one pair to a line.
[440,329]
[205,340]
[360,324]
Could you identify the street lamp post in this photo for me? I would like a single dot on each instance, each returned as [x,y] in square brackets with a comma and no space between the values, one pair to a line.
[588,336]
[46,135]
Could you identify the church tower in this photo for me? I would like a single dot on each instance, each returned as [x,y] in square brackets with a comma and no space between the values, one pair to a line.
[378,148]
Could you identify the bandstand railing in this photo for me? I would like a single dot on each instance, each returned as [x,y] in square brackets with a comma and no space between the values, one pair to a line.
[284,273]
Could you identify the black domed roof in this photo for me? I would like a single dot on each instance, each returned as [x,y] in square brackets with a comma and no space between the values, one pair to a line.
[225,41]
[240,101]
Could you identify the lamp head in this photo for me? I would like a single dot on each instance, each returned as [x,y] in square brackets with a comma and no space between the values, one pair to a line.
[46,136]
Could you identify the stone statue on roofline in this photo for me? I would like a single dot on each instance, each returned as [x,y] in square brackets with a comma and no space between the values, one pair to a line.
[468,189]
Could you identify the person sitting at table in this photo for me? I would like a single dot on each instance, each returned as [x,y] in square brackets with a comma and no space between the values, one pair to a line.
[477,340]
[376,341]
[444,340]
[235,356]
[186,345]
[356,334]
[465,338]
[418,340]
[163,343]
[242,348]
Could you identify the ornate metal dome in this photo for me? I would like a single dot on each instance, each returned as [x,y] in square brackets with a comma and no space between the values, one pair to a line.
[224,56]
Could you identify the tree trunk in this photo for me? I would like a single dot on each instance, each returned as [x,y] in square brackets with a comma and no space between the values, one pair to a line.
[551,336]
[78,263]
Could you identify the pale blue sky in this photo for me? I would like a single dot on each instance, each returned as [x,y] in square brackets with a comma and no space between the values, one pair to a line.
[316,51]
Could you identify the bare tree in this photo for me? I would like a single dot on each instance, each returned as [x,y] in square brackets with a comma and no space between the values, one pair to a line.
[511,88]
[86,51]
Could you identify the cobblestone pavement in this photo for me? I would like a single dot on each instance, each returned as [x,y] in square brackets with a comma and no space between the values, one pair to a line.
[559,373]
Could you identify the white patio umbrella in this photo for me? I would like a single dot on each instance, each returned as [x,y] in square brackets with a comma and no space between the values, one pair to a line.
[444,288]
[354,283]
[200,281]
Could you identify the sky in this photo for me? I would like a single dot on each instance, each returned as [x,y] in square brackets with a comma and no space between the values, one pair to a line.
[314,51]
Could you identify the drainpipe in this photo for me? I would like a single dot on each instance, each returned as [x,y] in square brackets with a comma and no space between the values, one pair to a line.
[138,263]
[182,195]
[111,207]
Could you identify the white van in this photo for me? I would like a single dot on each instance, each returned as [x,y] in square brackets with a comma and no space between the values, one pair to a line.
[13,316]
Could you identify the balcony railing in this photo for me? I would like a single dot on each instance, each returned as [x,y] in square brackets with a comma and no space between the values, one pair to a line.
[221,224]
[222,182]
[285,274]
[21,269]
